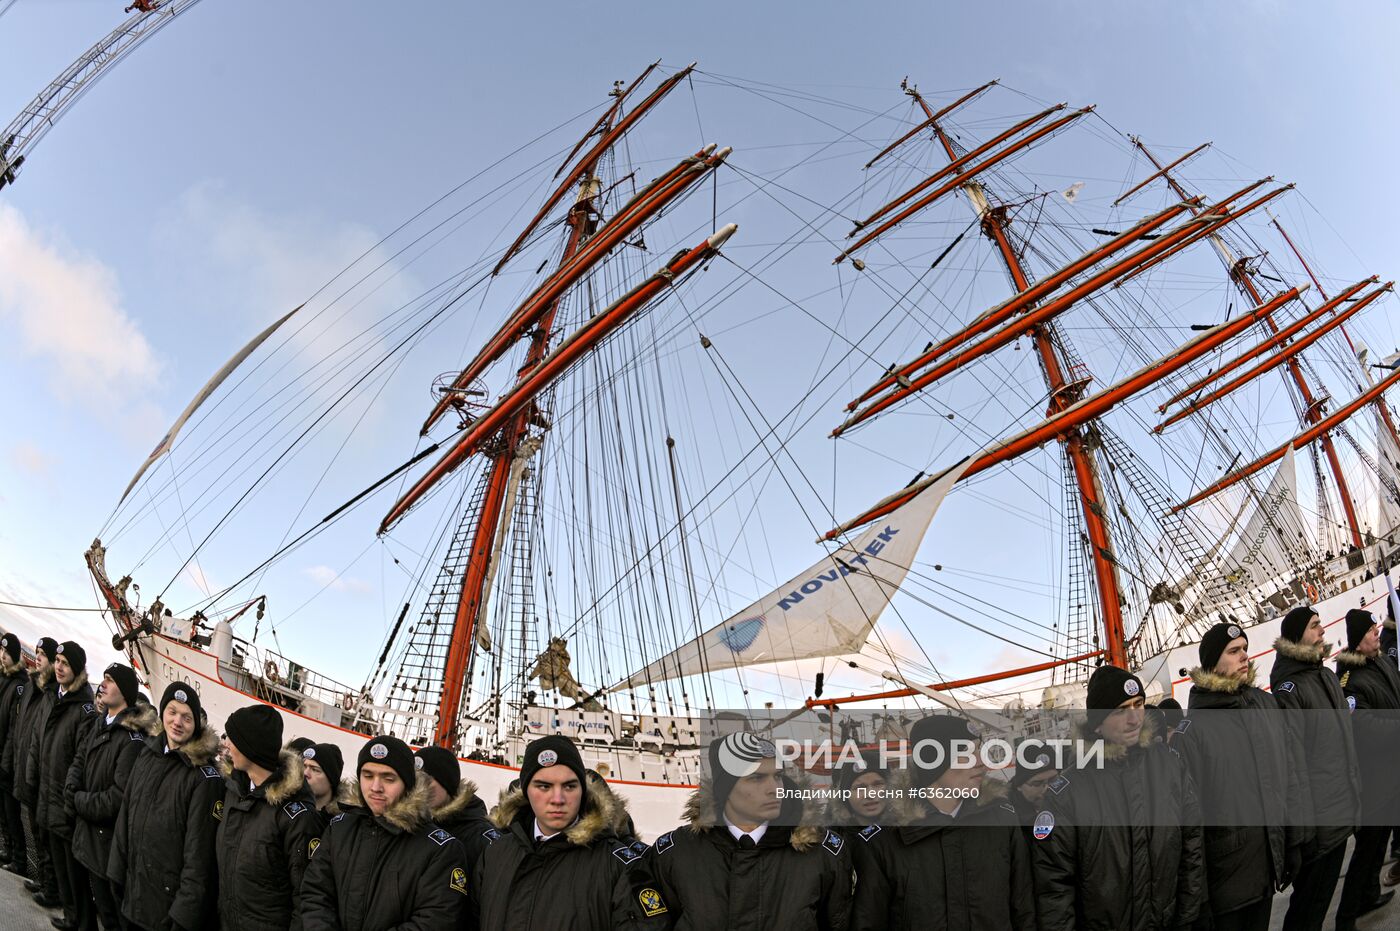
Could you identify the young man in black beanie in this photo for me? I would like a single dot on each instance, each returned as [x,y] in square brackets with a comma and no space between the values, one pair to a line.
[322,765]
[747,848]
[1029,784]
[556,861]
[1320,725]
[163,847]
[1250,780]
[13,679]
[268,829]
[864,784]
[454,804]
[21,757]
[957,858]
[1119,842]
[96,782]
[1372,687]
[70,713]
[382,863]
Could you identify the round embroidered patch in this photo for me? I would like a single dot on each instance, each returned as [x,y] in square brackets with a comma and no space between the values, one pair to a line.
[1234,632]
[548,758]
[379,751]
[180,696]
[309,753]
[1131,688]
[1044,825]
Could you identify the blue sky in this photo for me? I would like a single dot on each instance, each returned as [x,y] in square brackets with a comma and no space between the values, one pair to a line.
[241,158]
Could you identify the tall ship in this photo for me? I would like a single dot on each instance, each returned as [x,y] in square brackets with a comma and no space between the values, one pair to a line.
[1131,408]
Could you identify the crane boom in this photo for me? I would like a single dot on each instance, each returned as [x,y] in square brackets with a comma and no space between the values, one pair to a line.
[18,139]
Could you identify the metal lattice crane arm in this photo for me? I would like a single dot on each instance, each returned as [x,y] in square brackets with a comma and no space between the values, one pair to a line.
[24,132]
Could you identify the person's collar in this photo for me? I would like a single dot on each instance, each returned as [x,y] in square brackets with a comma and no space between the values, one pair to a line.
[757,833]
[110,719]
[541,836]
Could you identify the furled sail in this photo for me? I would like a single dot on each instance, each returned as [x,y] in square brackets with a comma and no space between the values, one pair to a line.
[828,610]
[1275,536]
[168,440]
[1388,518]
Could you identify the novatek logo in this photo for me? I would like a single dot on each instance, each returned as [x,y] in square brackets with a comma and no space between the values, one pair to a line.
[742,753]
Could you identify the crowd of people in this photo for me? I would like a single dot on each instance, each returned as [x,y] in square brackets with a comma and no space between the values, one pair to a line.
[139,815]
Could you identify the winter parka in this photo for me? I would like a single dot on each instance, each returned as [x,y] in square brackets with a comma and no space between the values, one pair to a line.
[1118,848]
[464,817]
[1299,682]
[13,680]
[163,847]
[585,878]
[940,873]
[264,843]
[1247,772]
[798,877]
[395,871]
[19,751]
[59,734]
[97,781]
[1372,689]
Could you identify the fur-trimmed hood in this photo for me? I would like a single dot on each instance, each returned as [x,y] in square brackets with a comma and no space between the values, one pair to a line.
[41,678]
[466,795]
[409,814]
[622,824]
[80,680]
[1211,681]
[341,795]
[596,820]
[284,782]
[139,718]
[8,668]
[1314,654]
[200,750]
[1113,753]
[910,812]
[1352,659]
[702,814]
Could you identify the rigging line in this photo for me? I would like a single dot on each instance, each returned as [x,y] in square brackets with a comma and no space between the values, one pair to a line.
[30,607]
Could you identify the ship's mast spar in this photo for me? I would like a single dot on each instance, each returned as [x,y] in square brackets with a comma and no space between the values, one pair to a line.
[1243,278]
[24,132]
[1063,392]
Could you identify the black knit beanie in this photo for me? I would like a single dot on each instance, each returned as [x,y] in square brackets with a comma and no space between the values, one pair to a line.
[74,654]
[299,745]
[393,753]
[184,693]
[869,762]
[734,756]
[1109,687]
[442,766]
[256,732]
[10,643]
[1215,641]
[47,646]
[327,756]
[1359,624]
[554,750]
[1036,763]
[940,729]
[125,678]
[1295,622]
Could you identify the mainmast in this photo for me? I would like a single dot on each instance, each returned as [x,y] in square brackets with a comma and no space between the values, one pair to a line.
[1063,393]
[1243,278]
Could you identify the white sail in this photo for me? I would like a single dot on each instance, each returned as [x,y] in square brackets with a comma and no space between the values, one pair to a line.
[1275,534]
[1388,516]
[168,440]
[828,610]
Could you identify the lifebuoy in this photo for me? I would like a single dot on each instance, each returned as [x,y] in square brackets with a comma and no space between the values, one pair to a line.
[347,701]
[270,672]
[1311,590]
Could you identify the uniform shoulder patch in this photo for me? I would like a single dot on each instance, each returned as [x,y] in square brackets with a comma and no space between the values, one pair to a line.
[492,835]
[1058,784]
[88,708]
[218,810]
[1183,725]
[312,846]
[1005,806]
[625,853]
[664,843]
[867,834]
[134,736]
[211,772]
[338,817]
[651,902]
[459,880]
[639,846]
[1351,702]
[1044,825]
[1286,686]
[440,837]
[293,809]
[833,843]
[19,690]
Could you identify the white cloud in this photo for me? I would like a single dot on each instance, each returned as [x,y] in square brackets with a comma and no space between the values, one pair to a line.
[66,309]
[326,577]
[28,457]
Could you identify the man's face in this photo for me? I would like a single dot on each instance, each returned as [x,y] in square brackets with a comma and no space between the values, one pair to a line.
[1313,634]
[41,660]
[178,720]
[380,786]
[1234,662]
[437,795]
[866,800]
[754,798]
[316,779]
[1033,789]
[965,777]
[109,696]
[555,796]
[1123,725]
[1370,644]
[65,675]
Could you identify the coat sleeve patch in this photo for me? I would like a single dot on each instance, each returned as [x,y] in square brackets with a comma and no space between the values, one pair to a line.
[1183,725]
[868,834]
[1044,825]
[440,837]
[312,846]
[1286,686]
[626,854]
[88,708]
[664,843]
[1351,702]
[134,736]
[338,817]
[491,835]
[651,902]
[211,772]
[833,843]
[293,809]
[1058,784]
[639,846]
[218,810]
[459,880]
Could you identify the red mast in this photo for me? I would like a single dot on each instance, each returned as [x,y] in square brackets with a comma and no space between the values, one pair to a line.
[1312,407]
